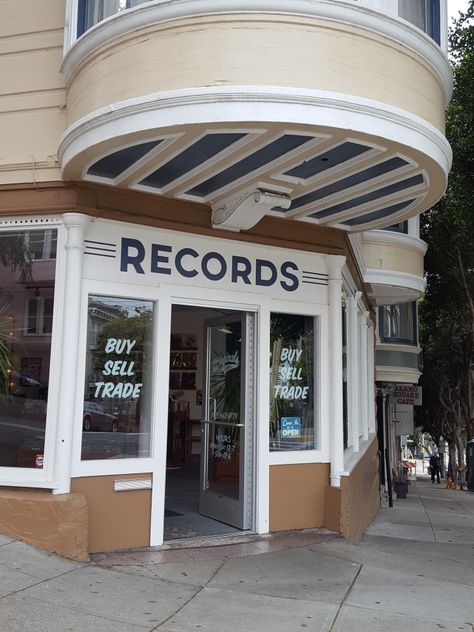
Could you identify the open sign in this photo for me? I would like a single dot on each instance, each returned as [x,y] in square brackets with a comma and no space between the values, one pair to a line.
[290,427]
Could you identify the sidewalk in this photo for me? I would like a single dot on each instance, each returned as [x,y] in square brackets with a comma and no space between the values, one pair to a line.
[414,569]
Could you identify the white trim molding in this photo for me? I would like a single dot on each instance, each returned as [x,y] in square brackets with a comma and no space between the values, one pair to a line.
[398,348]
[252,104]
[397,374]
[75,224]
[392,278]
[388,237]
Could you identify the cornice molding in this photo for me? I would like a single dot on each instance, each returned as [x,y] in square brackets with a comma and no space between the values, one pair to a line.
[399,348]
[15,222]
[163,11]
[395,374]
[280,104]
[355,240]
[395,278]
[388,238]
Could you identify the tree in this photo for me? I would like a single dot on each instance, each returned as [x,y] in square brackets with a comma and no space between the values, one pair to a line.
[447,310]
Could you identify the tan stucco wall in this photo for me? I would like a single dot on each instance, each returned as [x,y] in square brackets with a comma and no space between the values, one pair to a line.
[54,523]
[297,495]
[360,495]
[117,520]
[383,255]
[257,50]
[32,90]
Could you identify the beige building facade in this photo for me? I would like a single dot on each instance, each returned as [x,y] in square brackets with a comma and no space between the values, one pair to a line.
[209,253]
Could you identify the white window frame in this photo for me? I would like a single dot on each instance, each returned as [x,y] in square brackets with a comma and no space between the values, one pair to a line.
[385,7]
[317,390]
[321,384]
[43,477]
[360,386]
[102,467]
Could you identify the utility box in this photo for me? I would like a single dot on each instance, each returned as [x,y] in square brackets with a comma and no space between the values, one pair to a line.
[470,465]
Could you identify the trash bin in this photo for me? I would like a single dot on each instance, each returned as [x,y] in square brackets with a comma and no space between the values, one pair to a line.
[470,465]
[400,485]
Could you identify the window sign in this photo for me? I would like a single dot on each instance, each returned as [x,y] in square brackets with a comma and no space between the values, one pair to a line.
[290,427]
[116,412]
[292,382]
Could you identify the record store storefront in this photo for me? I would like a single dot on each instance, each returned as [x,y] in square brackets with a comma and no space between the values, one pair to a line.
[161,385]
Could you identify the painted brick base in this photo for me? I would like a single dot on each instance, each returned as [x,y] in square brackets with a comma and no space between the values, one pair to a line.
[53,523]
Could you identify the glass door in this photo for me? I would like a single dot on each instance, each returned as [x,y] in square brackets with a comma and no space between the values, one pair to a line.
[226,450]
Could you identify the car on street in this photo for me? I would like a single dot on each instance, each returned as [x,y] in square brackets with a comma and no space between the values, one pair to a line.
[97,419]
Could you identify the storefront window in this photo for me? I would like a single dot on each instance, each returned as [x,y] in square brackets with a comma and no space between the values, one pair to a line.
[292,381]
[345,414]
[27,275]
[117,391]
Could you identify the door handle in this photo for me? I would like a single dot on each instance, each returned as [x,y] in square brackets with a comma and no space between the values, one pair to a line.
[216,422]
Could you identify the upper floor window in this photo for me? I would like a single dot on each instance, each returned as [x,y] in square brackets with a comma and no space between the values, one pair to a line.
[91,12]
[425,14]
[401,227]
[398,323]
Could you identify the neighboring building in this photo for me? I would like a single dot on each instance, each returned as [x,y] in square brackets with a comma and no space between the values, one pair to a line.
[212,180]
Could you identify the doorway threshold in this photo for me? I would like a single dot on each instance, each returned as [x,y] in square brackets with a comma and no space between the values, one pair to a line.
[210,540]
[216,547]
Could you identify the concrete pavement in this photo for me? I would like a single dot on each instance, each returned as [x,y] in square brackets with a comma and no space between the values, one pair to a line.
[414,570]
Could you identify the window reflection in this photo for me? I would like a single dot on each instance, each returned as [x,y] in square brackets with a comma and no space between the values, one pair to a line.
[116,412]
[27,276]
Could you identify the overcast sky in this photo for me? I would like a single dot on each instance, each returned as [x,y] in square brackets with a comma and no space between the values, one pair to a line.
[454,6]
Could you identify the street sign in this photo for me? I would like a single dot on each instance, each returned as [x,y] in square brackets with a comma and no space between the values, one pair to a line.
[409,394]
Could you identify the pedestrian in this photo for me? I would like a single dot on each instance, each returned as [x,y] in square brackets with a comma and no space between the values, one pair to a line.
[434,467]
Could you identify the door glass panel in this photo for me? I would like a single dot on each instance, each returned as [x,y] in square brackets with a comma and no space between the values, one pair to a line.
[224,405]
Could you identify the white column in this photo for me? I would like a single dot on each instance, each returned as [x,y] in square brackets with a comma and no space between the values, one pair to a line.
[364,386]
[354,373]
[75,225]
[335,264]
[371,377]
